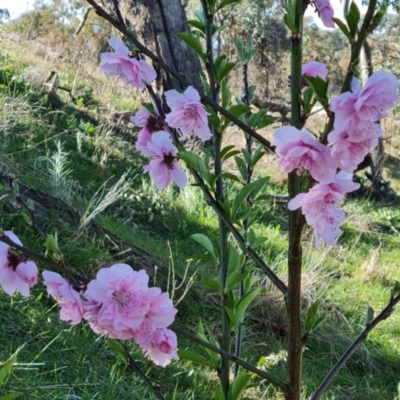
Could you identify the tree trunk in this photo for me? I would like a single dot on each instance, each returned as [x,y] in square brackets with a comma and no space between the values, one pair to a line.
[157,23]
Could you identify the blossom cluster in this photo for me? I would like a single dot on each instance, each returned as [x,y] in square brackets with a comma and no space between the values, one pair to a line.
[355,132]
[118,302]
[187,114]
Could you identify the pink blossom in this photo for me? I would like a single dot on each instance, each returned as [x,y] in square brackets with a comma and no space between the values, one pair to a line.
[161,314]
[164,167]
[349,154]
[314,69]
[325,12]
[163,347]
[118,300]
[16,272]
[328,227]
[149,124]
[129,69]
[377,96]
[66,296]
[299,150]
[187,113]
[357,109]
[319,206]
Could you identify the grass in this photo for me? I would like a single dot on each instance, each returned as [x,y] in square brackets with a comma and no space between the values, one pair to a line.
[57,152]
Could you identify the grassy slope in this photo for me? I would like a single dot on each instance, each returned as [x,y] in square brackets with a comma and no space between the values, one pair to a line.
[63,362]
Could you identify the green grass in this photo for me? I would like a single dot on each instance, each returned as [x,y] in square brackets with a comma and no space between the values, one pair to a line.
[64,362]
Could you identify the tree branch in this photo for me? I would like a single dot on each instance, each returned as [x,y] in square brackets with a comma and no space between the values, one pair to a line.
[385,313]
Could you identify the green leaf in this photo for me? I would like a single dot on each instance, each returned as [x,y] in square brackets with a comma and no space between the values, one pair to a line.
[396,288]
[370,315]
[353,18]
[231,154]
[26,216]
[226,207]
[256,157]
[245,301]
[192,356]
[247,156]
[249,282]
[238,109]
[213,284]
[259,240]
[206,243]
[241,197]
[239,385]
[311,315]
[235,260]
[377,18]
[265,122]
[219,394]
[5,367]
[232,177]
[232,317]
[225,3]
[319,86]
[241,50]
[343,27]
[193,160]
[193,42]
[242,167]
[227,149]
[234,279]
[200,16]
[355,12]
[225,94]
[289,22]
[224,70]
[117,346]
[198,25]
[209,178]
[259,185]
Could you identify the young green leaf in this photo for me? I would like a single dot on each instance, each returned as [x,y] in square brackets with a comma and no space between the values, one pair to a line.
[242,167]
[369,316]
[5,367]
[193,160]
[311,315]
[343,27]
[213,284]
[234,278]
[226,96]
[245,301]
[238,109]
[192,356]
[219,394]
[198,25]
[232,177]
[193,42]
[353,18]
[117,346]
[239,385]
[225,3]
[206,243]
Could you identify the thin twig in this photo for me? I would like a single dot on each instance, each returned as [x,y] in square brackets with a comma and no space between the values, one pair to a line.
[134,366]
[385,313]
